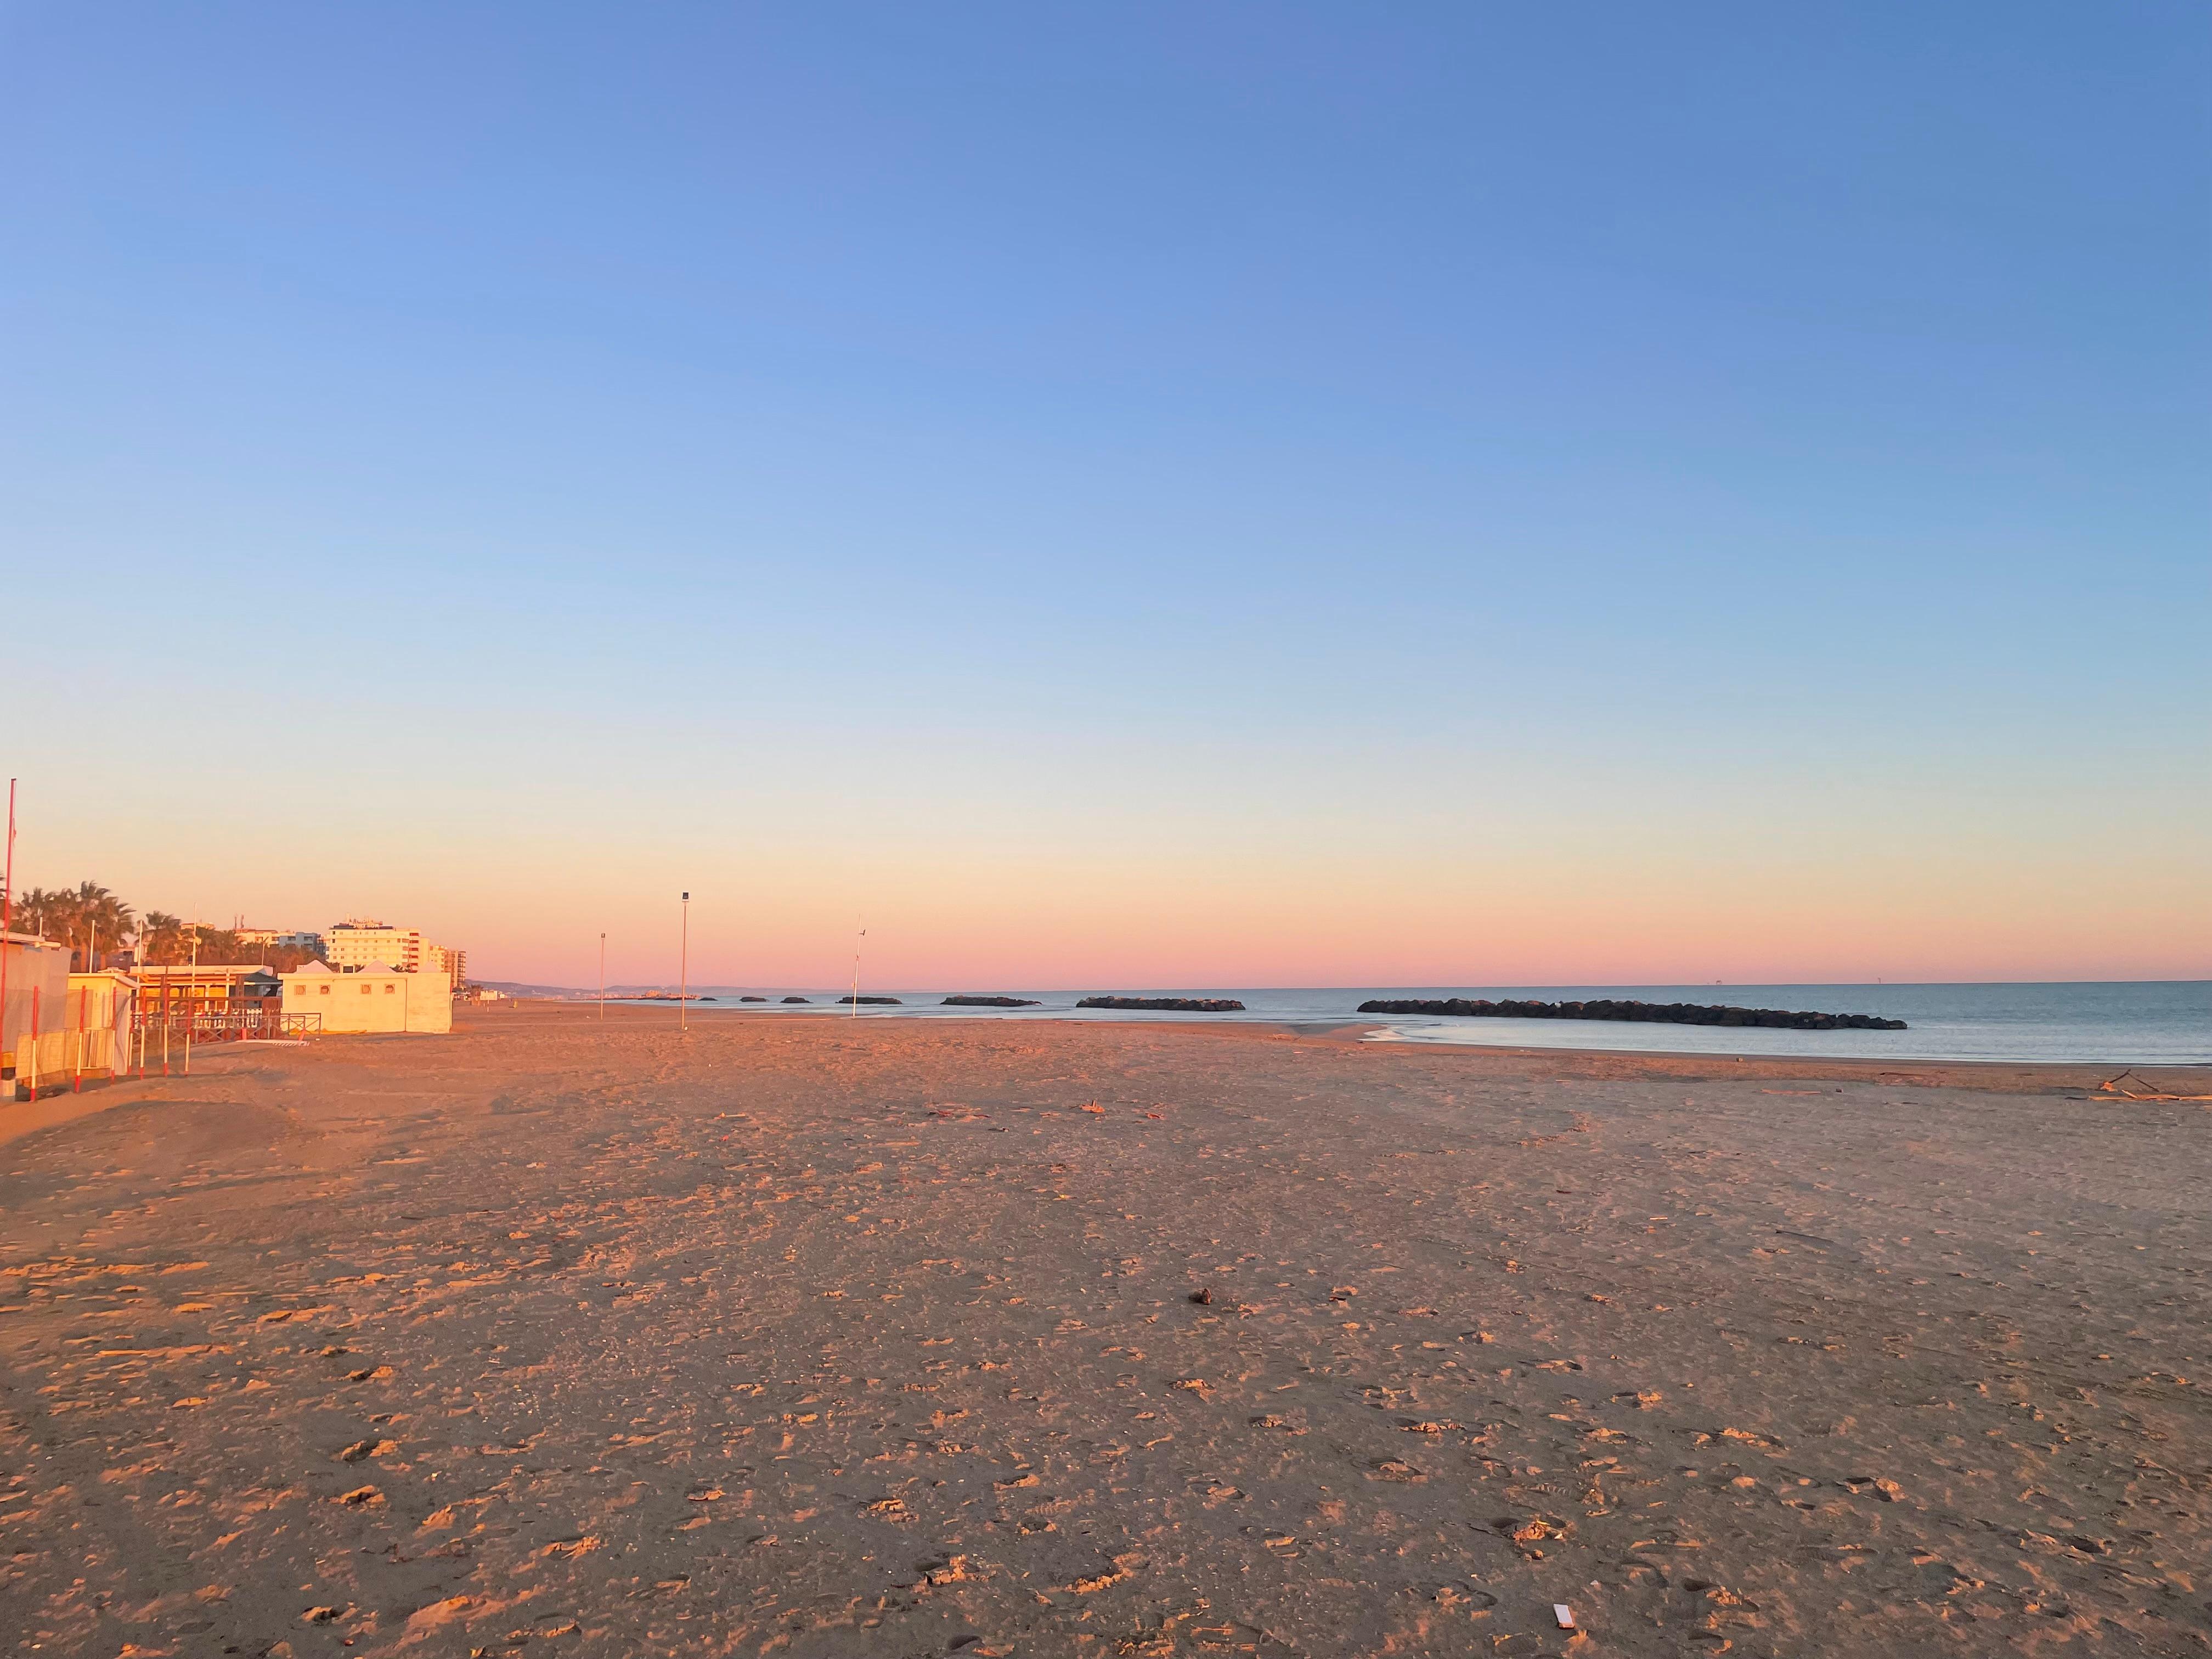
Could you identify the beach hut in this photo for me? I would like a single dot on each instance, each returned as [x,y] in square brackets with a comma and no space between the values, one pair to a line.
[375,999]
[37,976]
[98,1014]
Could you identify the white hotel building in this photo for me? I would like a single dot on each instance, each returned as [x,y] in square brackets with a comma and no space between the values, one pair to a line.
[358,942]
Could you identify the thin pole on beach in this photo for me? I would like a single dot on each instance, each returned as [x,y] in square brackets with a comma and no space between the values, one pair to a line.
[7,914]
[603,975]
[683,972]
[857,938]
[192,991]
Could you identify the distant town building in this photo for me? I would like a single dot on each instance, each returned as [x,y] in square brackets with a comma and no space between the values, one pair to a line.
[359,942]
[376,997]
[282,940]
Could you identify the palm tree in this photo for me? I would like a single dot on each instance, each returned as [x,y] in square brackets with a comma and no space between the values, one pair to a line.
[99,915]
[44,911]
[162,938]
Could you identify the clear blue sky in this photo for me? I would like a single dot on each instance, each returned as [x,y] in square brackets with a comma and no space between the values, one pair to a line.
[1737,470]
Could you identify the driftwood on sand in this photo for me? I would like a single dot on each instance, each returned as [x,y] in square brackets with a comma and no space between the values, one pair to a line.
[2111,1085]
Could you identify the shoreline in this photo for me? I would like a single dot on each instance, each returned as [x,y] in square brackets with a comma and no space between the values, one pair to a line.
[1359,1033]
[1981,1029]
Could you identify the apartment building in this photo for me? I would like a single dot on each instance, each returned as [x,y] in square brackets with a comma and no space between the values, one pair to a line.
[359,942]
[278,937]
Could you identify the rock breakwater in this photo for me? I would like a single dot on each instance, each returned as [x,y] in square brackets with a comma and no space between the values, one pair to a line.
[1168,1005]
[1654,1013]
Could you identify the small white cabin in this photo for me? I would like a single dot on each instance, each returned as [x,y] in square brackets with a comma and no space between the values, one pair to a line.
[375,999]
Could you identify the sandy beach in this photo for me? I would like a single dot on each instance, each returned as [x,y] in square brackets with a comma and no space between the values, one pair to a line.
[809,1336]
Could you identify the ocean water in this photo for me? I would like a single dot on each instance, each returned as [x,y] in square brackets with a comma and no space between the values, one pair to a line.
[2138,1023]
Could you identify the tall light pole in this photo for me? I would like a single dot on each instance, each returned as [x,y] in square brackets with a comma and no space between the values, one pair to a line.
[857,938]
[684,973]
[603,975]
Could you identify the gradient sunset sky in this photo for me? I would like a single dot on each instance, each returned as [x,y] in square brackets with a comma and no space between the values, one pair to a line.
[1132,496]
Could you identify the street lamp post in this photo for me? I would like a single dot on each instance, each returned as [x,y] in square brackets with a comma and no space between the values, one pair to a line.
[683,972]
[603,975]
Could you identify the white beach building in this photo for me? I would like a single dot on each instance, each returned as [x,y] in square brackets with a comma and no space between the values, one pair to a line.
[377,998]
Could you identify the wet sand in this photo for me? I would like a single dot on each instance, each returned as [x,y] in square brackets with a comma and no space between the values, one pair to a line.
[809,1336]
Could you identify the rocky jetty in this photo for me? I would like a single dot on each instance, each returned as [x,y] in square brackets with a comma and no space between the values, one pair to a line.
[795,998]
[1168,1005]
[752,999]
[989,1002]
[847,1002]
[1653,1013]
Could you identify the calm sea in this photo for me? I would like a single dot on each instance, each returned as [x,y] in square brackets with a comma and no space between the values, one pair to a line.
[2165,1023]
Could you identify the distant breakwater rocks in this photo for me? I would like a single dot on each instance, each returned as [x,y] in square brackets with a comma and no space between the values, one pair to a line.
[847,1002]
[1168,1005]
[989,1002]
[1652,1013]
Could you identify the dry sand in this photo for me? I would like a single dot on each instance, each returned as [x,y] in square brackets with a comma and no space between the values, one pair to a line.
[816,1337]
